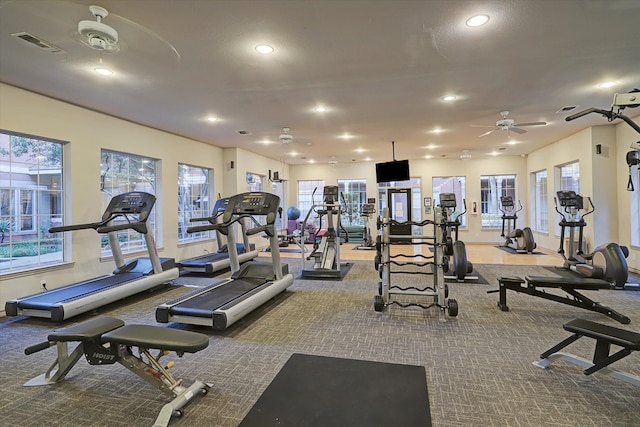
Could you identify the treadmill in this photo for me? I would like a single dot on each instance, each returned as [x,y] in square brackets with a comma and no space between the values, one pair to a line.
[132,209]
[215,262]
[224,302]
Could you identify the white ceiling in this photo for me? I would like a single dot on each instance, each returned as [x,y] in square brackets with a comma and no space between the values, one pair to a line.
[381,67]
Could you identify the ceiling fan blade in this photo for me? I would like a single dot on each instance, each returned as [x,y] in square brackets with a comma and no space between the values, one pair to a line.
[482,126]
[487,133]
[517,130]
[531,124]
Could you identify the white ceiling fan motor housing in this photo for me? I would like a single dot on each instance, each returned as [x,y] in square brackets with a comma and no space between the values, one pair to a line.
[99,36]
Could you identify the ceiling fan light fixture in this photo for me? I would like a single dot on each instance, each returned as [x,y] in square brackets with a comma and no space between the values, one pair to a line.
[264,48]
[477,21]
[103,71]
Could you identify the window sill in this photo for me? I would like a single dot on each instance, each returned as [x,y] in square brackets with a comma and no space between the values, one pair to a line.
[36,270]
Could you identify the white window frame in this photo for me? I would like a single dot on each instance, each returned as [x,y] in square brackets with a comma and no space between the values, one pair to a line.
[491,216]
[195,188]
[540,201]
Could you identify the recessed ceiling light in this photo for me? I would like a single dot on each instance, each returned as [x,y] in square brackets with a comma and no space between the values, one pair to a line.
[320,109]
[359,150]
[428,156]
[103,71]
[345,136]
[212,119]
[606,85]
[449,98]
[437,130]
[264,48]
[431,146]
[478,20]
[266,141]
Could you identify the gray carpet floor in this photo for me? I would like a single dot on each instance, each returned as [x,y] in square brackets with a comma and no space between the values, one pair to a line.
[479,364]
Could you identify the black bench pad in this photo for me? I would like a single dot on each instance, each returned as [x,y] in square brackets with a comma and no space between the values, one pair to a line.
[617,336]
[86,331]
[156,337]
[562,282]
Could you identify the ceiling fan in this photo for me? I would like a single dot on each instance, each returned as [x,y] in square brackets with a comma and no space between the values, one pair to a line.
[509,125]
[63,28]
[287,138]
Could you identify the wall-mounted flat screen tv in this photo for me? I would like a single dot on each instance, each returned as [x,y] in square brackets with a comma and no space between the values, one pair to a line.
[398,170]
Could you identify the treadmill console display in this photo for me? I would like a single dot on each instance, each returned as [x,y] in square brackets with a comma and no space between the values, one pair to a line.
[448,200]
[254,204]
[131,203]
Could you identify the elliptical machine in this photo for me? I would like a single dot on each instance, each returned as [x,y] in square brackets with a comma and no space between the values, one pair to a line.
[368,209]
[522,238]
[453,247]
[607,262]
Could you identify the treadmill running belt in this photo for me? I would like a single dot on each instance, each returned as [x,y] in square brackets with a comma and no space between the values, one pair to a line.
[204,259]
[71,292]
[204,304]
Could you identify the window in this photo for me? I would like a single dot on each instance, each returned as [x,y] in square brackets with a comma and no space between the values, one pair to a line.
[195,184]
[540,201]
[122,173]
[569,177]
[354,192]
[306,196]
[492,187]
[254,182]
[451,184]
[31,197]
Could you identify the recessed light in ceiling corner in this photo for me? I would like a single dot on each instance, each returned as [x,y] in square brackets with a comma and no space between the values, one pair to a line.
[567,108]
[477,21]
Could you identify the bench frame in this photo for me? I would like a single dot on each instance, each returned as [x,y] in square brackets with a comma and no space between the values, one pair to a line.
[577,299]
[601,357]
[100,351]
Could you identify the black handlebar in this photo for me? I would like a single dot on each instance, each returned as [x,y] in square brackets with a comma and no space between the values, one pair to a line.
[609,114]
[38,347]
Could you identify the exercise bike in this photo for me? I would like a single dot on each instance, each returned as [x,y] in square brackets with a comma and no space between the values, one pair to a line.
[454,248]
[607,262]
[523,238]
[368,209]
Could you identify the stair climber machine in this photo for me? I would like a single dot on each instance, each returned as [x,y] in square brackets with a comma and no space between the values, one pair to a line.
[522,238]
[607,262]
[368,209]
[325,256]
[226,301]
[425,295]
[212,263]
[126,211]
[456,264]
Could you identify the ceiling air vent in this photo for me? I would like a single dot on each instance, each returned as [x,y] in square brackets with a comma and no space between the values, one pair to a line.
[567,108]
[38,42]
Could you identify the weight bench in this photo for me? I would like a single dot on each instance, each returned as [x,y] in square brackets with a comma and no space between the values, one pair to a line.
[569,285]
[605,336]
[107,340]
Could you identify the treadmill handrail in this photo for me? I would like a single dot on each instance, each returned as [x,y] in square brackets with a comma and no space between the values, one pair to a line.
[89,225]
[211,218]
[140,227]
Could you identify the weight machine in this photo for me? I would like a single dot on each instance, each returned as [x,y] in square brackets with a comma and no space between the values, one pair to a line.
[522,238]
